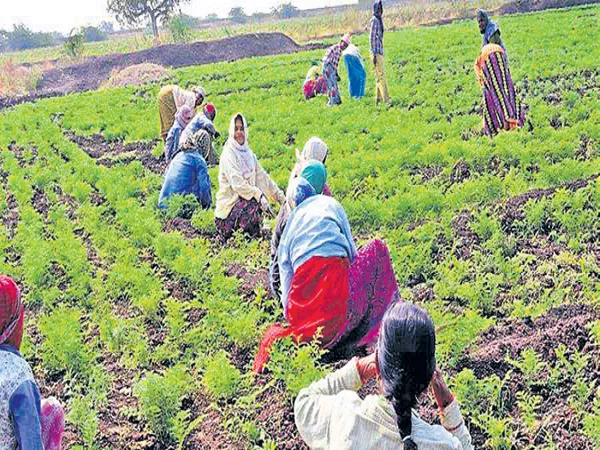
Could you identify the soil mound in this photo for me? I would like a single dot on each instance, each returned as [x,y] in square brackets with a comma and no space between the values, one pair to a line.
[94,71]
[136,75]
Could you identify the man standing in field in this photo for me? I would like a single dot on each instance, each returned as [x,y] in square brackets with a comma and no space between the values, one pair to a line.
[381,90]
[331,61]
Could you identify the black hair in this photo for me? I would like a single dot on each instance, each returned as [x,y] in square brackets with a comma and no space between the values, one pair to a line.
[239,117]
[406,361]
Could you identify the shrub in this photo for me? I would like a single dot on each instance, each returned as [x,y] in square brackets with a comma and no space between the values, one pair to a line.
[180,29]
[160,399]
[74,45]
[182,206]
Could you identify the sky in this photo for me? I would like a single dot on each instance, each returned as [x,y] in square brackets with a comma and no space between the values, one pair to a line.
[63,15]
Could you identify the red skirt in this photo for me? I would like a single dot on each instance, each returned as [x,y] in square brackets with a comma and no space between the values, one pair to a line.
[318,299]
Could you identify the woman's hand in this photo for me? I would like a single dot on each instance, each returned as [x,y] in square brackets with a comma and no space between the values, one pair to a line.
[367,367]
[440,391]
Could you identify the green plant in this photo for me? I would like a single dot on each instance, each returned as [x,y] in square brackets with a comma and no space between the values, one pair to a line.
[296,364]
[160,399]
[528,406]
[74,45]
[221,378]
[84,417]
[530,364]
[63,347]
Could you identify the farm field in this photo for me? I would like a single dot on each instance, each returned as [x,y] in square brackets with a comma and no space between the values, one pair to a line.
[146,328]
[301,29]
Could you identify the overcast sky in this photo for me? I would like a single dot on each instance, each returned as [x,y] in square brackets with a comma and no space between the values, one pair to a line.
[63,15]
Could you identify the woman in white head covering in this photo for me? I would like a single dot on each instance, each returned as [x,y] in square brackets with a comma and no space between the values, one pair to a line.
[244,187]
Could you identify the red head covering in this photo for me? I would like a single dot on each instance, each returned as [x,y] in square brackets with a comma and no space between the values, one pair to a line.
[210,109]
[11,313]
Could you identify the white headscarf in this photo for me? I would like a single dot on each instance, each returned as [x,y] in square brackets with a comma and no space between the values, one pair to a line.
[243,151]
[314,148]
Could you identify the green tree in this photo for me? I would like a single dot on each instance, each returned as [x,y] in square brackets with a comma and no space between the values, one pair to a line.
[285,11]
[238,14]
[132,12]
[107,27]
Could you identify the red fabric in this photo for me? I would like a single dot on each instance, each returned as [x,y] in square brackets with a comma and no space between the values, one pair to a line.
[318,298]
[11,313]
[210,109]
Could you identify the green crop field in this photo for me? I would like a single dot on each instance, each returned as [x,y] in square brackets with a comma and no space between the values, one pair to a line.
[146,328]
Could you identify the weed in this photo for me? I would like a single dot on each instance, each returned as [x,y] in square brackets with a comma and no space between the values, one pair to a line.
[221,378]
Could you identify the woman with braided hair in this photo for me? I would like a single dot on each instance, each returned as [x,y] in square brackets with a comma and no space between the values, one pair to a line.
[330,414]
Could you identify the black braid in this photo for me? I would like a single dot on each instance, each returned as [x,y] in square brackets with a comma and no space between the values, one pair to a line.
[406,362]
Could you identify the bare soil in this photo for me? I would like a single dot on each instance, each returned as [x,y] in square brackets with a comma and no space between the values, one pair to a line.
[94,71]
[109,154]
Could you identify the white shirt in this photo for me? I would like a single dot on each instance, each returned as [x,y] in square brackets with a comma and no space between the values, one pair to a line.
[329,414]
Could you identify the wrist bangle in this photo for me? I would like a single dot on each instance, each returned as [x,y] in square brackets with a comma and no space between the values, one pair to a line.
[406,438]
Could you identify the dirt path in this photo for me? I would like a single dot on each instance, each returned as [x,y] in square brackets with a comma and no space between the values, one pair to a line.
[90,74]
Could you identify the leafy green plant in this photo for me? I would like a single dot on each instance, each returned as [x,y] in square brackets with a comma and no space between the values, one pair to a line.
[528,406]
[221,378]
[530,364]
[296,364]
[63,347]
[160,398]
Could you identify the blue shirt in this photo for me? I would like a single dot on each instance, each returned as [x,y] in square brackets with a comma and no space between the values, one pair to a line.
[24,401]
[318,227]
[187,174]
[199,122]
[172,142]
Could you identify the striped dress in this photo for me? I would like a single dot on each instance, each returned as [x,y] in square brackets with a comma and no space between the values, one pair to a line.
[501,110]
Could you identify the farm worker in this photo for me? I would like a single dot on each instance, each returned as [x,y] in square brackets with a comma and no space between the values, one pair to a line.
[314,84]
[489,29]
[244,186]
[204,121]
[170,99]
[314,153]
[501,111]
[357,76]
[187,172]
[330,414]
[325,283]
[331,62]
[26,421]
[182,118]
[381,89]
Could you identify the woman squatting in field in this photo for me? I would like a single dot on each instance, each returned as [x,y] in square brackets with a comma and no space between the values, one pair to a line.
[26,421]
[315,150]
[330,414]
[325,283]
[244,185]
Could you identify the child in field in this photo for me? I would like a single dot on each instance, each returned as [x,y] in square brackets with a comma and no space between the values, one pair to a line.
[325,283]
[330,414]
[26,421]
[243,185]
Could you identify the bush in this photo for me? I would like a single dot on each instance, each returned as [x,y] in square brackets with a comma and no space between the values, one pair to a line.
[93,34]
[22,38]
[182,206]
[74,45]
[160,399]
[180,28]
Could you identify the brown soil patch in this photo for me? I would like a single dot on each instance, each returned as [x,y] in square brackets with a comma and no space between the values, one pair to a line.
[465,238]
[136,75]
[109,154]
[90,74]
[565,325]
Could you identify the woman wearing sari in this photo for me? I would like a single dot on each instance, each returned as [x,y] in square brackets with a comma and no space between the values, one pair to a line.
[325,283]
